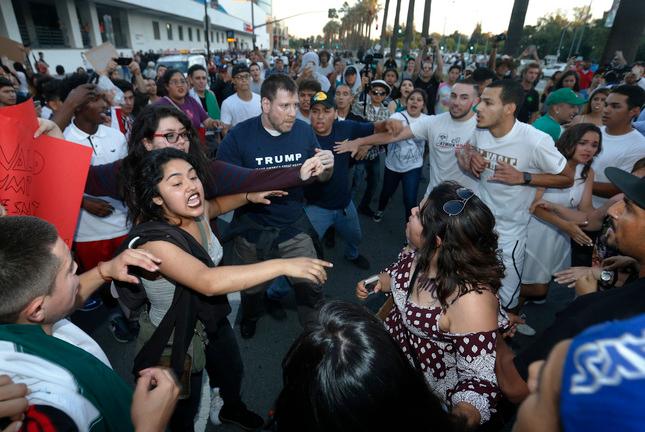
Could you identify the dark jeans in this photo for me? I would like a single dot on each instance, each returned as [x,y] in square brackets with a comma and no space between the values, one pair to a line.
[410,180]
[308,295]
[224,362]
[371,169]
[183,418]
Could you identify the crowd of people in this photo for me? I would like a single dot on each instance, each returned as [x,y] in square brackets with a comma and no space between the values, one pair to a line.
[526,189]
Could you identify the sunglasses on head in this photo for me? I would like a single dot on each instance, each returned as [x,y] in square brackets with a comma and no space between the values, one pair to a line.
[455,207]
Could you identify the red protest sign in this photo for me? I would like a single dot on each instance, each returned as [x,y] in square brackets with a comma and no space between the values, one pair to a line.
[42,177]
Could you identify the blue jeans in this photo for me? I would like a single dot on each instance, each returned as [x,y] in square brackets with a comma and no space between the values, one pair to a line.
[410,180]
[344,220]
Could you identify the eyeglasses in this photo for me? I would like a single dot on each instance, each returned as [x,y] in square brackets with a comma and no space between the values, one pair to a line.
[178,82]
[243,77]
[454,207]
[173,137]
[375,93]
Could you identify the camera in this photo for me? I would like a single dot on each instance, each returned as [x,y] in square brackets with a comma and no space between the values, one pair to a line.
[429,40]
[500,37]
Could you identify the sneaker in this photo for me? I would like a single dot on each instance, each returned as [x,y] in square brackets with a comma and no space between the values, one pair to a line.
[274,308]
[239,415]
[536,300]
[525,330]
[120,329]
[378,216]
[360,261]
[91,304]
[366,211]
[216,406]
[247,328]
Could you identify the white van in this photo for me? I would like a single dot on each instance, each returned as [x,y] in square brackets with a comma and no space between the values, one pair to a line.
[182,61]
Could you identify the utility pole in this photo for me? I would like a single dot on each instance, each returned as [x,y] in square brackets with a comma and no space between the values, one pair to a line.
[208,45]
[253,22]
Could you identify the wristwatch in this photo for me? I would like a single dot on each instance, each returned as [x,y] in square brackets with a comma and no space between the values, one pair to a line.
[607,278]
[527,177]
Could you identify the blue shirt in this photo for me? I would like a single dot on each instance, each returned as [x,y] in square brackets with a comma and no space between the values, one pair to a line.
[335,194]
[249,145]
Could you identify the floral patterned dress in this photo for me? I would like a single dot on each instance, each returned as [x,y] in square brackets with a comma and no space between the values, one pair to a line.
[457,367]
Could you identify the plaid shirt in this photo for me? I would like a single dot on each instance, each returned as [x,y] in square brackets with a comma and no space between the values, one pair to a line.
[372,114]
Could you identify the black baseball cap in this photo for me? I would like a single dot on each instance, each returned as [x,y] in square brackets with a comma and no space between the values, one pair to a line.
[240,68]
[633,187]
[326,99]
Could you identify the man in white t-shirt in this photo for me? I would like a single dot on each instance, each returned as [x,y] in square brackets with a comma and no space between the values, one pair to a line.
[102,224]
[68,375]
[445,134]
[622,145]
[511,158]
[244,104]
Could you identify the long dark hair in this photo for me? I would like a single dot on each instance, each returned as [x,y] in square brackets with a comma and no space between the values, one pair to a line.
[145,126]
[144,184]
[345,373]
[469,259]
[568,141]
[576,86]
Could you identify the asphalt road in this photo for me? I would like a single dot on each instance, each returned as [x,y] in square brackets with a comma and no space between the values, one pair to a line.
[263,354]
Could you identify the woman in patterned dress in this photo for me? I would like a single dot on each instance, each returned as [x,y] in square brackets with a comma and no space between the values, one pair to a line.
[446,311]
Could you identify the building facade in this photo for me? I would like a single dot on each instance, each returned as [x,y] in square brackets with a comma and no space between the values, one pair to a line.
[63,29]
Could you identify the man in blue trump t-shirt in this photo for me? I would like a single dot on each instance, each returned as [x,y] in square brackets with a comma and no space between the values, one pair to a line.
[331,203]
[275,139]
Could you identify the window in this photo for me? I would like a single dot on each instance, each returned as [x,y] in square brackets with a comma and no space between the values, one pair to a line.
[212,39]
[190,34]
[169,31]
[180,31]
[217,37]
[198,32]
[155,30]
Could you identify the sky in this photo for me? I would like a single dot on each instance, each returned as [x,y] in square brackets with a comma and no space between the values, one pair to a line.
[452,15]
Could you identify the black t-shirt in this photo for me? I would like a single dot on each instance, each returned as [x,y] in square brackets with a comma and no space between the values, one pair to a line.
[430,87]
[582,313]
[335,194]
[531,104]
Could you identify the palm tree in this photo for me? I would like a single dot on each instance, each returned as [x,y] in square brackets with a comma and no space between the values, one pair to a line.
[409,28]
[516,27]
[395,32]
[387,6]
[331,32]
[426,18]
[626,31]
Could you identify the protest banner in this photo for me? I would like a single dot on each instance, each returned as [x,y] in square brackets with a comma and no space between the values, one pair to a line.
[42,177]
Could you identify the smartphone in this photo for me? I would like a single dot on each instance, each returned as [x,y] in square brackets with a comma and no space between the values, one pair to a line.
[123,61]
[370,283]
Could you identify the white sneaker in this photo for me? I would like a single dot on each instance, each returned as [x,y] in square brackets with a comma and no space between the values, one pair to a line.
[525,329]
[216,405]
